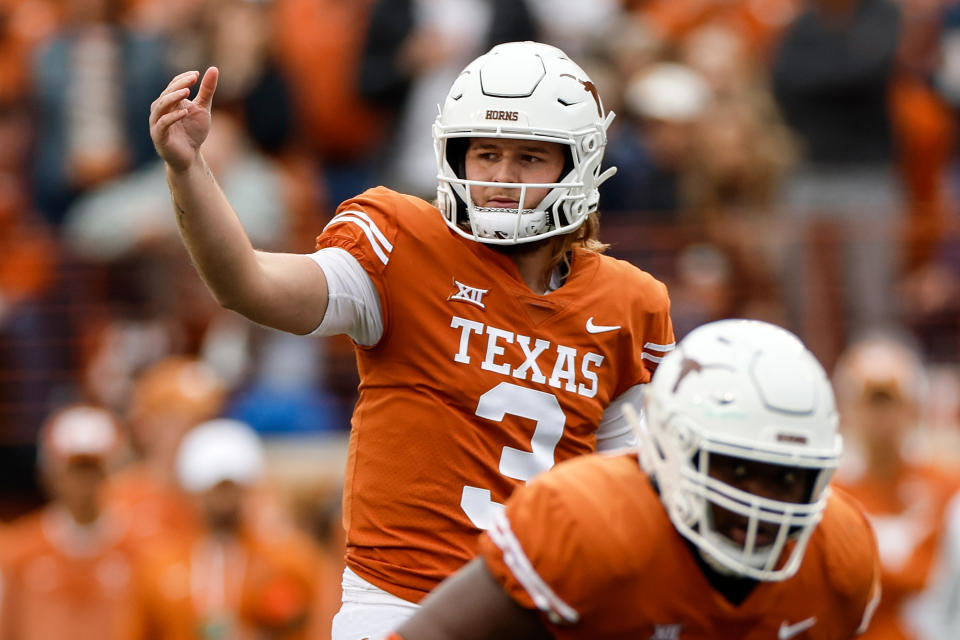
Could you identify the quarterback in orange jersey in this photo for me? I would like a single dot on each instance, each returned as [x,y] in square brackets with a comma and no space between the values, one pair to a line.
[723,527]
[881,386]
[493,338]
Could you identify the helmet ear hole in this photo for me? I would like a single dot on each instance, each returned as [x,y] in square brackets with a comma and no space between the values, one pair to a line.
[579,209]
[589,143]
[457,155]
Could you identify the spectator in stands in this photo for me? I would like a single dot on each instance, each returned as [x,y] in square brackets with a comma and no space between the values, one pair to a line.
[122,231]
[31,340]
[414,51]
[881,392]
[929,296]
[69,566]
[225,581]
[320,42]
[664,102]
[832,73]
[23,23]
[92,81]
[167,400]
[241,41]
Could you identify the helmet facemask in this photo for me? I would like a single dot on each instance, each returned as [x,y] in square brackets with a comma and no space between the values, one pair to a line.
[522,91]
[744,533]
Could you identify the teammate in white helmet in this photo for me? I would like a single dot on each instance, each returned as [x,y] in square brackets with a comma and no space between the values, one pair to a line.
[493,338]
[723,527]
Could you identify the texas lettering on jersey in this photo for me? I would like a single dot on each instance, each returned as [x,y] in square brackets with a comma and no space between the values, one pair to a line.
[569,370]
[476,385]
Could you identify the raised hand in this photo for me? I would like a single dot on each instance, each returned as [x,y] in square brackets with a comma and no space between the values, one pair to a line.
[179,126]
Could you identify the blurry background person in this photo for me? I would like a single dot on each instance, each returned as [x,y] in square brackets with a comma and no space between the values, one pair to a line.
[168,399]
[226,580]
[90,82]
[31,340]
[832,72]
[69,566]
[414,50]
[654,144]
[881,391]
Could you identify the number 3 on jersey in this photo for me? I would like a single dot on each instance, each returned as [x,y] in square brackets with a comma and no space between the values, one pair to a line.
[539,406]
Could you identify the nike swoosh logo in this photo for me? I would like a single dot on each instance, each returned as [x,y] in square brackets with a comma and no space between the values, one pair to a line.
[787,631]
[599,328]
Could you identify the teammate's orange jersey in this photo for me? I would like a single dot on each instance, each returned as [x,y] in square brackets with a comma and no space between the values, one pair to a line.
[591,545]
[907,515]
[477,383]
[64,581]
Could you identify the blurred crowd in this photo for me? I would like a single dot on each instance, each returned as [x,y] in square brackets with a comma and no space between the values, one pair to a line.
[788,160]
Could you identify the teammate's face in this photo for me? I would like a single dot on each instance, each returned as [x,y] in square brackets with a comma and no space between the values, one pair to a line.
[773,481]
[505,160]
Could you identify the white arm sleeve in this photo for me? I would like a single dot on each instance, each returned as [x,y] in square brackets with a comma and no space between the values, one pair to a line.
[615,432]
[353,307]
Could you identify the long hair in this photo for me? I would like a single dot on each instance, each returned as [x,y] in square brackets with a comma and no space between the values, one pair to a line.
[586,235]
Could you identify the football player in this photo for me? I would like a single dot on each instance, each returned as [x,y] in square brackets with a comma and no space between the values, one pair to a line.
[723,527]
[493,338]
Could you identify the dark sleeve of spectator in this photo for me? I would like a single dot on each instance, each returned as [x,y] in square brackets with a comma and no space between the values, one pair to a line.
[512,22]
[382,81]
[268,110]
[818,57]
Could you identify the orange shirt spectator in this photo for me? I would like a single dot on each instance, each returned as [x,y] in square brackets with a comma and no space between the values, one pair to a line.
[227,580]
[68,568]
[167,400]
[881,387]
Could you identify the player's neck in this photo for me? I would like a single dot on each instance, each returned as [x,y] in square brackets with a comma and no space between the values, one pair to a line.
[534,262]
[735,589]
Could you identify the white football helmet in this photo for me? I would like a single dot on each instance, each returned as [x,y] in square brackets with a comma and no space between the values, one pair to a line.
[750,390]
[528,91]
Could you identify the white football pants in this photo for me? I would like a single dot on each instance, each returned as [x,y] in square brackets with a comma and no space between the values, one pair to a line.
[367,612]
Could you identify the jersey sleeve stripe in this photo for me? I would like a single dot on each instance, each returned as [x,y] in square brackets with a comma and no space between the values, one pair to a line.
[513,555]
[653,346]
[373,225]
[870,609]
[647,356]
[367,231]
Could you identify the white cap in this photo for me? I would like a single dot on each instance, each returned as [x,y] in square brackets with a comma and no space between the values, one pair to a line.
[668,91]
[216,451]
[79,431]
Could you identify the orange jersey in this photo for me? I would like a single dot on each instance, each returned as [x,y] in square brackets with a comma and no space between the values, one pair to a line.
[63,582]
[476,385]
[239,588]
[591,545]
[907,515]
[155,509]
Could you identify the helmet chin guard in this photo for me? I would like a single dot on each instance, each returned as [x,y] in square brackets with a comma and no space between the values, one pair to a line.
[750,391]
[522,91]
